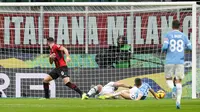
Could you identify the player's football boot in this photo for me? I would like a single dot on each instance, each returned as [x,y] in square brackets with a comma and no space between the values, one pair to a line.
[178,105]
[174,90]
[84,96]
[102,97]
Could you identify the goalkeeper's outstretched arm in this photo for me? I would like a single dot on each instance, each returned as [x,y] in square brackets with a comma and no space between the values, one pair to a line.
[118,84]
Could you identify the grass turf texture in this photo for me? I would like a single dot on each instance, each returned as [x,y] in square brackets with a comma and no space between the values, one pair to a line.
[92,105]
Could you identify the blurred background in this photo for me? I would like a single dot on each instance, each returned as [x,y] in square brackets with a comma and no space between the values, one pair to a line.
[94,0]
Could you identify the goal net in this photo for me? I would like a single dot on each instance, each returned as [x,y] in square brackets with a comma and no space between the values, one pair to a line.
[198,54]
[106,43]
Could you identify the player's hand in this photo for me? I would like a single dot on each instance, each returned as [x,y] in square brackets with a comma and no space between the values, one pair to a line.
[157,98]
[52,56]
[68,59]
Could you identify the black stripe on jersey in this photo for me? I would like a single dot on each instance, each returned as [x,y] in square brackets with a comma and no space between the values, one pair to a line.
[60,53]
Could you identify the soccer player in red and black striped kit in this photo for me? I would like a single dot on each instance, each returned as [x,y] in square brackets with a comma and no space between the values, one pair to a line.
[57,56]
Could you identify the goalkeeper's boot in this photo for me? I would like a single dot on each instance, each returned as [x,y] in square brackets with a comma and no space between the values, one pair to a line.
[174,90]
[102,97]
[84,96]
[178,106]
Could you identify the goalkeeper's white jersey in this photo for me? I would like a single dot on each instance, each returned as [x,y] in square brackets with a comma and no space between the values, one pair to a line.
[108,89]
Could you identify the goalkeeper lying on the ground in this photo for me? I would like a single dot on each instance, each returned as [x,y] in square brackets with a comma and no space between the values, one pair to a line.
[108,89]
[138,92]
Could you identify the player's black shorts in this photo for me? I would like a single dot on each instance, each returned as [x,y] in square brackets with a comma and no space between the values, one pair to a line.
[59,72]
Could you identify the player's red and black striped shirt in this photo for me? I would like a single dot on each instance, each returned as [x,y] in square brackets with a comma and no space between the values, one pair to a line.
[59,59]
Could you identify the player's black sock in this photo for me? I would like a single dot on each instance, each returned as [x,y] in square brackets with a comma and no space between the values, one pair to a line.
[46,90]
[74,87]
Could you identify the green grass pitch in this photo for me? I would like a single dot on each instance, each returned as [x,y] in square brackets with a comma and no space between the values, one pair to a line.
[93,105]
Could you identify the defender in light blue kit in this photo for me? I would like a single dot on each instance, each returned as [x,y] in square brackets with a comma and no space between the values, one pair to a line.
[175,44]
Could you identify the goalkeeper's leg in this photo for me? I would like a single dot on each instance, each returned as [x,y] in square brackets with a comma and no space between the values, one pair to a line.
[114,95]
[126,95]
[93,91]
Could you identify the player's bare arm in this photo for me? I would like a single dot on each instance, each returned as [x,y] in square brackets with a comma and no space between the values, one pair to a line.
[153,93]
[66,53]
[61,69]
[118,84]
[51,58]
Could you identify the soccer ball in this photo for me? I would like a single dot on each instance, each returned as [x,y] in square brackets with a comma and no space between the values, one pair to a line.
[160,94]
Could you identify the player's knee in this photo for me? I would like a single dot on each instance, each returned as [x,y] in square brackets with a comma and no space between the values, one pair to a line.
[47,79]
[168,78]
[122,92]
[124,95]
[178,80]
[66,80]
